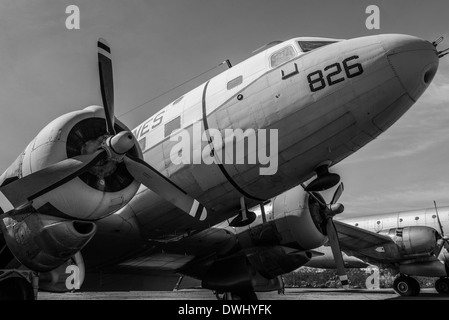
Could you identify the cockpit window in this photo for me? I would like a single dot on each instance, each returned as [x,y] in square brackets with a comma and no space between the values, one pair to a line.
[307,46]
[282,56]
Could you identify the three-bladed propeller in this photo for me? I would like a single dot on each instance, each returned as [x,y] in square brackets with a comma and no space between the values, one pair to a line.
[441,53]
[114,148]
[139,169]
[328,212]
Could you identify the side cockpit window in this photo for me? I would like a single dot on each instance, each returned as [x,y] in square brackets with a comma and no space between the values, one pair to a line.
[283,55]
[307,46]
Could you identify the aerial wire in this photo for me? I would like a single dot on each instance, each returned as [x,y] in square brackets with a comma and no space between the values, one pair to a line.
[180,85]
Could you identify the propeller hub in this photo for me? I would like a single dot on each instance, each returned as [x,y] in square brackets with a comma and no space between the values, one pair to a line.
[121,143]
[117,146]
[336,209]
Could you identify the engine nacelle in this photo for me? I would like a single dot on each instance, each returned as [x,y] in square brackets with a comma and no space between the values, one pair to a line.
[293,223]
[271,262]
[234,274]
[92,195]
[43,243]
[414,241]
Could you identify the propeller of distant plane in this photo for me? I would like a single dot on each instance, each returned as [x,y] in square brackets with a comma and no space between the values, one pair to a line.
[445,238]
[441,53]
[114,148]
[328,212]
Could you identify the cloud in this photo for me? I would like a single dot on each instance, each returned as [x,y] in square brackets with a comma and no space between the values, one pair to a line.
[399,198]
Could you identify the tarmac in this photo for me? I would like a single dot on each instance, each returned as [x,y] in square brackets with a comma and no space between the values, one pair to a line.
[290,294]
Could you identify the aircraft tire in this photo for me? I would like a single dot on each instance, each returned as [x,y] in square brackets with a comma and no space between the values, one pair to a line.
[442,286]
[406,286]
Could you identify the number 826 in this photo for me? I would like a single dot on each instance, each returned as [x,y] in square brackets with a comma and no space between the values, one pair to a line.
[317,81]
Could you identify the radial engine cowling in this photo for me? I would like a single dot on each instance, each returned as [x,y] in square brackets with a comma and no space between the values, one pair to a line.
[43,243]
[104,188]
[414,241]
[297,220]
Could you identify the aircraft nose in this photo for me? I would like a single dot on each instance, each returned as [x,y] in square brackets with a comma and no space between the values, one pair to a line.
[414,61]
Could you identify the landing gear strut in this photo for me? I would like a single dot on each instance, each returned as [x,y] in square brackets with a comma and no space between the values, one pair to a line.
[406,286]
[244,217]
[442,285]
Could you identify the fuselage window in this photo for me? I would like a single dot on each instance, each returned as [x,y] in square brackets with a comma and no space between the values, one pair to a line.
[235,82]
[282,56]
[307,46]
[172,126]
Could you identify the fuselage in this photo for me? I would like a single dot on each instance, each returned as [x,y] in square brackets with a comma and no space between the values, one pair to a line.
[423,217]
[325,104]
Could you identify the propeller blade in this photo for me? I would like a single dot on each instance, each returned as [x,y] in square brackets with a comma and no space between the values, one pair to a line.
[336,251]
[22,191]
[438,219]
[322,204]
[338,193]
[154,180]
[106,83]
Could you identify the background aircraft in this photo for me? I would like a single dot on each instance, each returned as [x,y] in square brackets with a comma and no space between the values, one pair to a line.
[412,243]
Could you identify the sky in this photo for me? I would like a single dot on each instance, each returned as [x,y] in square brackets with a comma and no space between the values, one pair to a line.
[47,70]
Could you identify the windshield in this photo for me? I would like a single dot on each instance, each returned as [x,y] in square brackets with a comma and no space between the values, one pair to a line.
[307,46]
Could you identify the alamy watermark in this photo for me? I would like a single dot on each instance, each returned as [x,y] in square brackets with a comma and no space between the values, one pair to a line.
[373,280]
[373,20]
[73,280]
[251,147]
[73,20]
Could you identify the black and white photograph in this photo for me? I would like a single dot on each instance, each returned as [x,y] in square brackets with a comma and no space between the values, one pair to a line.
[230,150]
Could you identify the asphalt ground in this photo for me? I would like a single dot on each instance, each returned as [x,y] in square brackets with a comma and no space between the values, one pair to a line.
[290,294]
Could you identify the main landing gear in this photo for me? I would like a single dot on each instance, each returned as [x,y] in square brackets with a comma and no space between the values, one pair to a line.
[442,285]
[406,286]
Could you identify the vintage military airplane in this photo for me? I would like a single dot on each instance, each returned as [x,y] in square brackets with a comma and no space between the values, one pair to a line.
[410,243]
[86,183]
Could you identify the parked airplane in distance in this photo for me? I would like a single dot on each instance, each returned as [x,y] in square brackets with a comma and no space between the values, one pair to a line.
[146,201]
[411,243]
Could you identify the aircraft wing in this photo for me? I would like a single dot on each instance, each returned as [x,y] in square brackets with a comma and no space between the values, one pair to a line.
[355,239]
